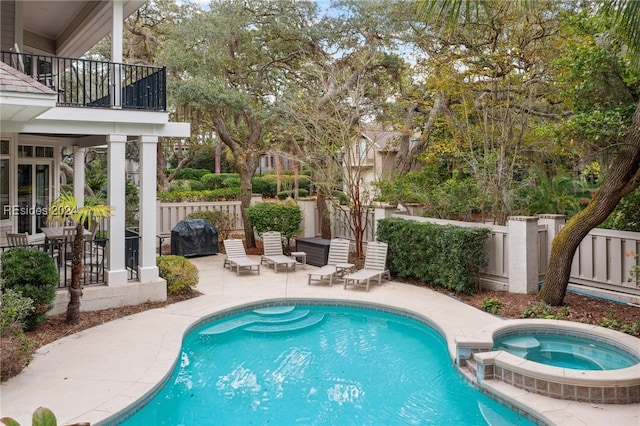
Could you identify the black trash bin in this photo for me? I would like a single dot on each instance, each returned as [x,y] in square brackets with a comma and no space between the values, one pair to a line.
[194,237]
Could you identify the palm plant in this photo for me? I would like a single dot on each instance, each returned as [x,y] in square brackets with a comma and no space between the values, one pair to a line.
[65,208]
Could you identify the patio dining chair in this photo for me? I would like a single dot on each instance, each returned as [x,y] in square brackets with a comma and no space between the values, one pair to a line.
[18,239]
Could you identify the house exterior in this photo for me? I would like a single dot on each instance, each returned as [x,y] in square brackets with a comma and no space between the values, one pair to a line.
[51,98]
[370,158]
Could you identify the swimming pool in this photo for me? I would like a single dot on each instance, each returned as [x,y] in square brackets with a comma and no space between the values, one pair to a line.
[317,365]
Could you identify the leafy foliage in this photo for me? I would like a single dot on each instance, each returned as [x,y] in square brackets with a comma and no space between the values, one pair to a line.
[31,273]
[222,194]
[217,218]
[447,256]
[626,215]
[284,217]
[14,309]
[492,305]
[179,272]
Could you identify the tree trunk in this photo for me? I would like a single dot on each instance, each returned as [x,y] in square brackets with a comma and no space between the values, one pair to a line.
[75,289]
[623,178]
[218,156]
[323,213]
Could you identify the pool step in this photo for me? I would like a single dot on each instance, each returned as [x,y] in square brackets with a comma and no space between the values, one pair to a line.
[277,316]
[275,327]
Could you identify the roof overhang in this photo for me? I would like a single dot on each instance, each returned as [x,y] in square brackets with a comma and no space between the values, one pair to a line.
[23,107]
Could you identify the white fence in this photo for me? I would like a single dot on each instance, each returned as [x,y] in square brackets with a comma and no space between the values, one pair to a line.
[169,214]
[603,259]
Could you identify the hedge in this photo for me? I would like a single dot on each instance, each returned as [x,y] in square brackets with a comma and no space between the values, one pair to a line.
[447,256]
[222,194]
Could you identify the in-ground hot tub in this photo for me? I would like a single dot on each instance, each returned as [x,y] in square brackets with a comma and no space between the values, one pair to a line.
[560,359]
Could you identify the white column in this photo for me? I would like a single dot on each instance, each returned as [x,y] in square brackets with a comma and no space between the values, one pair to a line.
[117,19]
[116,183]
[308,208]
[523,254]
[78,174]
[147,269]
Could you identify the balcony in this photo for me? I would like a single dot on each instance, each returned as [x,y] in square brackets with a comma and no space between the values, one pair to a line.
[88,83]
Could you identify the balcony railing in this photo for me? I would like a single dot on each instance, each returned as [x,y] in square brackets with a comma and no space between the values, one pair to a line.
[95,84]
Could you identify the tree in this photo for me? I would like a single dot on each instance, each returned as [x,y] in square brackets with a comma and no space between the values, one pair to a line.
[63,208]
[624,173]
[235,60]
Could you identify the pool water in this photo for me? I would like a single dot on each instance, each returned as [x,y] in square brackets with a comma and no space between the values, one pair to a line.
[566,351]
[318,365]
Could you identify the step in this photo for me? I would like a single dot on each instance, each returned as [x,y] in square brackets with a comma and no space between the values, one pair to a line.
[521,343]
[284,316]
[274,310]
[308,321]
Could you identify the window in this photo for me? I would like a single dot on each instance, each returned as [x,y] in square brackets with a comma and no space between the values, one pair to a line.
[4,179]
[4,188]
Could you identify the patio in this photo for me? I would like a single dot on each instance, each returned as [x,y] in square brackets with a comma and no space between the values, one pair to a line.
[94,374]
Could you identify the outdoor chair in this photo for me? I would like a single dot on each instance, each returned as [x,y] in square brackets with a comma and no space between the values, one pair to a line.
[374,266]
[337,261]
[20,239]
[273,254]
[237,258]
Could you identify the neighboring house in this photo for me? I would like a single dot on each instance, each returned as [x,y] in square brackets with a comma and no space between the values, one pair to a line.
[50,99]
[371,158]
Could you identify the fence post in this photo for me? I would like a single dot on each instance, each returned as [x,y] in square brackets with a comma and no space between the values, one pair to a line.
[308,208]
[256,198]
[523,254]
[379,213]
[554,223]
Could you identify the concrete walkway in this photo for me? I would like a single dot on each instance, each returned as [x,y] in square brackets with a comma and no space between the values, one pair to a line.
[94,374]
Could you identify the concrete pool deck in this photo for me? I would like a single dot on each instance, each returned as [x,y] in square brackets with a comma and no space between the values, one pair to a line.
[97,373]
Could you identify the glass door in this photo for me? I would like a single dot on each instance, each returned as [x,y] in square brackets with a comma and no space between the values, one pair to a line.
[34,191]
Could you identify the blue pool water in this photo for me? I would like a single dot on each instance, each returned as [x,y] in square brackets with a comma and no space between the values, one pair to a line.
[318,365]
[564,351]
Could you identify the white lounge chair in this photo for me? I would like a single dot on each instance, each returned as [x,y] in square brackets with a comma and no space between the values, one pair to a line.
[338,259]
[374,266]
[273,254]
[237,258]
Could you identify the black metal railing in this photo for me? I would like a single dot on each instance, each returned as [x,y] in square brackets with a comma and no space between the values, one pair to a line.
[132,251]
[93,83]
[93,259]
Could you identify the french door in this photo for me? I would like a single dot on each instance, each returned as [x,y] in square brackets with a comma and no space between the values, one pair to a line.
[34,196]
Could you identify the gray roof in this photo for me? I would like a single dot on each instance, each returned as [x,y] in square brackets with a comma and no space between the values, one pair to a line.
[12,80]
[382,138]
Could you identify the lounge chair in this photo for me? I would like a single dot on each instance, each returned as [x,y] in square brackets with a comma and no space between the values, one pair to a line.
[374,266]
[273,254]
[237,258]
[337,260]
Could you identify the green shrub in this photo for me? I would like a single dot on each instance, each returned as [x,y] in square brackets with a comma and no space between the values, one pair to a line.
[289,194]
[215,180]
[231,182]
[341,196]
[222,194]
[492,305]
[179,272]
[284,217]
[217,218]
[264,186]
[14,309]
[447,256]
[33,274]
[191,174]
[186,185]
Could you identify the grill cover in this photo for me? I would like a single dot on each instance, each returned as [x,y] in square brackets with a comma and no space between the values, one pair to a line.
[194,237]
